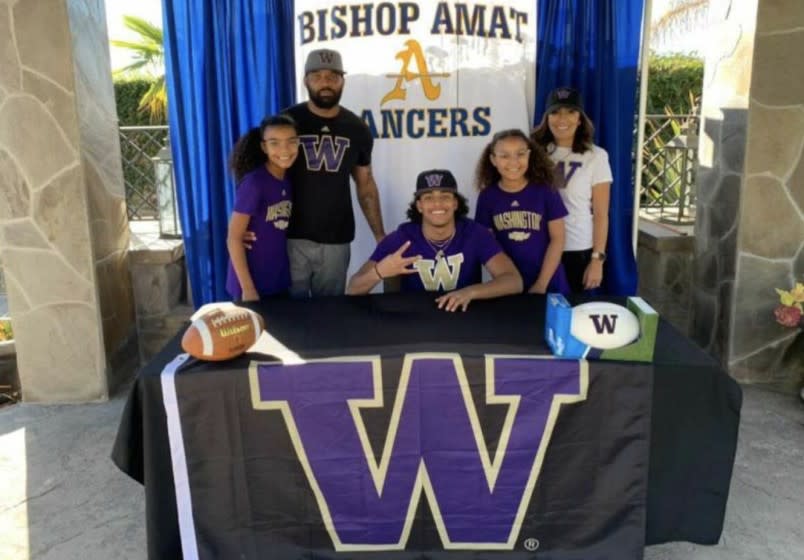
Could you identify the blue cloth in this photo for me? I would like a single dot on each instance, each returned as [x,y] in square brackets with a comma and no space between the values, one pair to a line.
[227,65]
[593,45]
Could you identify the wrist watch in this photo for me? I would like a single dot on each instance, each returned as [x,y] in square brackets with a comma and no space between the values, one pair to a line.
[599,255]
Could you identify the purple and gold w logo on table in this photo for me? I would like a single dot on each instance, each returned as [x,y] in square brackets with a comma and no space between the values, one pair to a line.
[434,443]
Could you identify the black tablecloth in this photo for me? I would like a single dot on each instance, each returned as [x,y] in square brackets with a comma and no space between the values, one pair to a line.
[693,414]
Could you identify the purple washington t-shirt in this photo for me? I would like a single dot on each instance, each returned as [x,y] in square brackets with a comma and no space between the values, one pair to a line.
[520,223]
[461,266]
[267,200]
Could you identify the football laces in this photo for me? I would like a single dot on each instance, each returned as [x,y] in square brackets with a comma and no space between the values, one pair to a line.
[229,318]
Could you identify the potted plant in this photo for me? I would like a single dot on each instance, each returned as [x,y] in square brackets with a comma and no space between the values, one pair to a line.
[790,313]
[6,333]
[9,382]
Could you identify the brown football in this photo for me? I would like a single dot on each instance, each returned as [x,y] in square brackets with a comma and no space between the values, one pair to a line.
[222,334]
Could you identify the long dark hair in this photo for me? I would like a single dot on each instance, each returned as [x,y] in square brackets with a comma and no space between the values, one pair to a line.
[461,212]
[583,140]
[540,167]
[247,154]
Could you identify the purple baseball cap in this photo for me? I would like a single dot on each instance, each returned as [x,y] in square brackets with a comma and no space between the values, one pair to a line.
[435,179]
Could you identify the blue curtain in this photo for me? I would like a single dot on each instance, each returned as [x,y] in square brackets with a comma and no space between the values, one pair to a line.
[593,45]
[228,64]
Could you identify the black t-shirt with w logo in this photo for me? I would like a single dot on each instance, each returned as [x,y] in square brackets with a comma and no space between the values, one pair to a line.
[330,148]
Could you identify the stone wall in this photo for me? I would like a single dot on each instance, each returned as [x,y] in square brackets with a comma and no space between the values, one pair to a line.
[770,242]
[63,230]
[750,227]
[721,157]
[158,277]
[665,257]
[103,178]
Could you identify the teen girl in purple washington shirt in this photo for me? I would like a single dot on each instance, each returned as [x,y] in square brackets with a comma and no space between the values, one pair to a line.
[262,205]
[519,204]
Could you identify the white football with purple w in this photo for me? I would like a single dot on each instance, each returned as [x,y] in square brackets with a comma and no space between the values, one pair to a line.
[604,325]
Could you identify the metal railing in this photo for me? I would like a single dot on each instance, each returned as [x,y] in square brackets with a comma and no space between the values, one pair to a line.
[138,145]
[667,192]
[669,159]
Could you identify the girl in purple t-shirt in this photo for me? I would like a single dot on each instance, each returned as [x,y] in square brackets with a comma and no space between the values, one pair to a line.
[526,214]
[262,205]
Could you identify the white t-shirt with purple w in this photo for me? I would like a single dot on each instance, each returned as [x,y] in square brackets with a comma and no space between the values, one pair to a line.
[581,172]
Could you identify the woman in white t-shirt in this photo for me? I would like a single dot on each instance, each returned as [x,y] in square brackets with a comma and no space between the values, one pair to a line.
[583,176]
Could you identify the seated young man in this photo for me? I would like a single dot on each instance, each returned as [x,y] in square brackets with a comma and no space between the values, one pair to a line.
[440,250]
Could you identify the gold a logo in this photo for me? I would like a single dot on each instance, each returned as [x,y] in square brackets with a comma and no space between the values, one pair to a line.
[413,54]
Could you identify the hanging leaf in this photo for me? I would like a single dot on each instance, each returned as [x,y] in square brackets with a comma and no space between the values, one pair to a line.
[798,293]
[785,297]
[148,56]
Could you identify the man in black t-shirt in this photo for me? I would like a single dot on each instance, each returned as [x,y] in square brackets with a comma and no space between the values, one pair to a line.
[335,143]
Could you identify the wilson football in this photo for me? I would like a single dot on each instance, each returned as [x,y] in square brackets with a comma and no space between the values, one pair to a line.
[604,325]
[222,333]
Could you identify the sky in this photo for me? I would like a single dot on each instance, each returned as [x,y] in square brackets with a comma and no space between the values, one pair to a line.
[150,10]
[683,40]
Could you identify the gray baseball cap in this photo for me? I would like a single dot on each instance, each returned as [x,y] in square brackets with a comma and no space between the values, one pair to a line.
[324,59]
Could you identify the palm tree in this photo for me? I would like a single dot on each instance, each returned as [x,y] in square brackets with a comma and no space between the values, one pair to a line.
[149,58]
[679,17]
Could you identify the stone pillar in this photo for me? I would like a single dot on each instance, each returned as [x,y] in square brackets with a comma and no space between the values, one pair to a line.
[63,226]
[158,280]
[750,228]
[665,260]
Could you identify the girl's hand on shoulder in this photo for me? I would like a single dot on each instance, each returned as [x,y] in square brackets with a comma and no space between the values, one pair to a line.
[249,237]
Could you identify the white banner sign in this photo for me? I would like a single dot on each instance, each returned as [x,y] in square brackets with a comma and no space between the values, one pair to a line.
[433,81]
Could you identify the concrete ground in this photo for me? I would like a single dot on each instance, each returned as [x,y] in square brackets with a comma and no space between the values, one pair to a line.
[62,498]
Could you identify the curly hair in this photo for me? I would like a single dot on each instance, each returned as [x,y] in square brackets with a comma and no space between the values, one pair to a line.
[540,166]
[247,154]
[582,142]
[461,212]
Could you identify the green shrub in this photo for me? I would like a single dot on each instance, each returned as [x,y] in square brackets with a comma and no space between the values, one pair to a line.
[137,148]
[671,80]
[127,93]
[675,84]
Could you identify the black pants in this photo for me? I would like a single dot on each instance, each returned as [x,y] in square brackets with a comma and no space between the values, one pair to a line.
[575,265]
